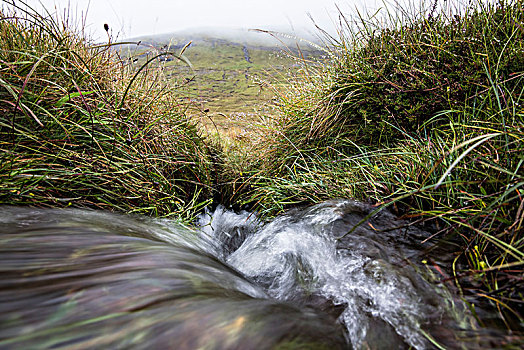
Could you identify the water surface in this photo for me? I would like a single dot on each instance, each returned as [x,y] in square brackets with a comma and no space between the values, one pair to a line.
[90,279]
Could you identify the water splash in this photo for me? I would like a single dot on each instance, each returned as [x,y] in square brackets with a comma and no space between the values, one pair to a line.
[377,283]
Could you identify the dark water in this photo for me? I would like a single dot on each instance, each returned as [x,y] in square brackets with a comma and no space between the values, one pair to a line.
[86,279]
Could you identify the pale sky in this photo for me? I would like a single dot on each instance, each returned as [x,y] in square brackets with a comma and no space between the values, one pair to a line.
[131,18]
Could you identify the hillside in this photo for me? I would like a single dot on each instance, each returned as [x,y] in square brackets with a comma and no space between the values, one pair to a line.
[226,71]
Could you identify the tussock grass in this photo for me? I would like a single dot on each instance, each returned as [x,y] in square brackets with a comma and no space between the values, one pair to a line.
[79,126]
[421,112]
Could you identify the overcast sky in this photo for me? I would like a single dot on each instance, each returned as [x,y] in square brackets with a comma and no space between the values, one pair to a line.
[131,18]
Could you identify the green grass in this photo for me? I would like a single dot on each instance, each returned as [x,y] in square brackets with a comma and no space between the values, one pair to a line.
[421,112]
[79,127]
[224,82]
[226,92]
[227,95]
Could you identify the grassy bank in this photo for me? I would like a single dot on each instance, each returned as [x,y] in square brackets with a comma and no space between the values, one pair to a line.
[422,112]
[80,127]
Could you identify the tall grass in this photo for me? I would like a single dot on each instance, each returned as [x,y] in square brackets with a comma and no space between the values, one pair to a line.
[80,126]
[420,111]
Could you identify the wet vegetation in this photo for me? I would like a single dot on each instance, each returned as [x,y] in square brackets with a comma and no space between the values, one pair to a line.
[79,127]
[420,111]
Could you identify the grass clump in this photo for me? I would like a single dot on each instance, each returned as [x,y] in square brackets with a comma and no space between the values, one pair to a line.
[80,127]
[421,112]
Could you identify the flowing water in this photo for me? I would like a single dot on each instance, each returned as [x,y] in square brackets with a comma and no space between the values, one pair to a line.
[308,279]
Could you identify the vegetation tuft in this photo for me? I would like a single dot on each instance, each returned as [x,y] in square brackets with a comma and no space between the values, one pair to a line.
[421,112]
[80,127]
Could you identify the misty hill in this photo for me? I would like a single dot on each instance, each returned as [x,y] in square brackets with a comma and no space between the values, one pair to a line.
[225,68]
[268,39]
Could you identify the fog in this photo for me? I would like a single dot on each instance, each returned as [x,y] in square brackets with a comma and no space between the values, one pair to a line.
[132,18]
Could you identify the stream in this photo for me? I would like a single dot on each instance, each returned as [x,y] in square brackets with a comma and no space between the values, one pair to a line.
[309,279]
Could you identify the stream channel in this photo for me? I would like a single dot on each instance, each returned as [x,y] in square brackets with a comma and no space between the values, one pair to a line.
[309,279]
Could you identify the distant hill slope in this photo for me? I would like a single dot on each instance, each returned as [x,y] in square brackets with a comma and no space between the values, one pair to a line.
[252,38]
[225,82]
